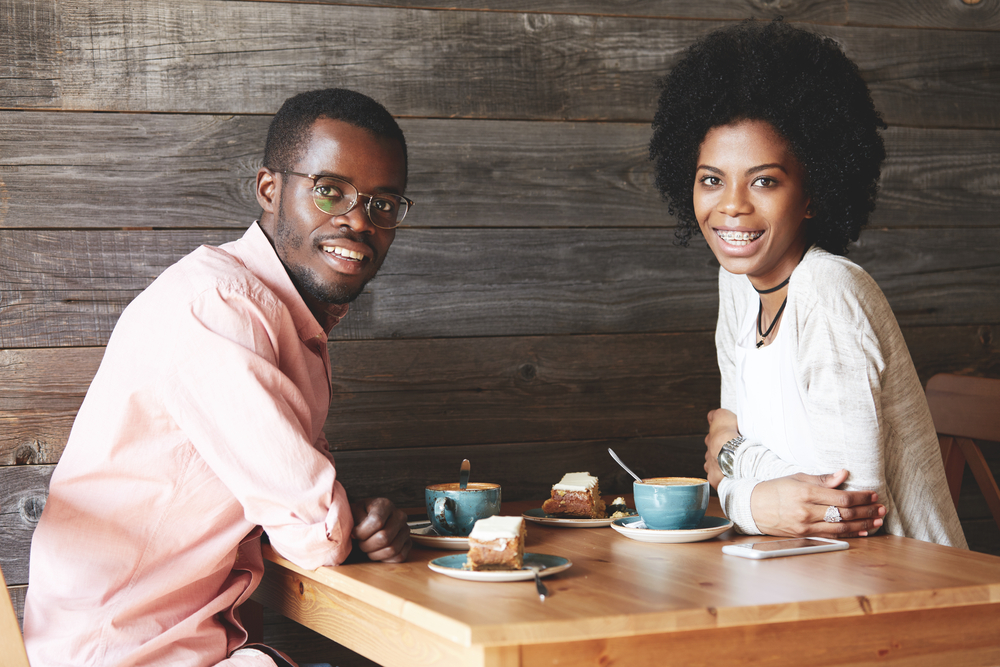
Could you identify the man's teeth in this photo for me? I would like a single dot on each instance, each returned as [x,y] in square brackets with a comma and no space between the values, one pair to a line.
[344,252]
[738,238]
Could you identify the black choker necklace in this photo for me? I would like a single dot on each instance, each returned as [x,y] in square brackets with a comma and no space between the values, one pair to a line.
[773,289]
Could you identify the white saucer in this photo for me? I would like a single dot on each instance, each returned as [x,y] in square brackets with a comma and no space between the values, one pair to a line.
[634,528]
[423,533]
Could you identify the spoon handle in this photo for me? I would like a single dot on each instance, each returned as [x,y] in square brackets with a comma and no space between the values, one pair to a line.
[615,457]
[543,592]
[463,475]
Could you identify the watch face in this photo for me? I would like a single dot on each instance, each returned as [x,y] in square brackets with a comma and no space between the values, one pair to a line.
[726,462]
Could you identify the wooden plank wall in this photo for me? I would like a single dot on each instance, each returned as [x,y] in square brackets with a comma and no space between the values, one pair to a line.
[534,310]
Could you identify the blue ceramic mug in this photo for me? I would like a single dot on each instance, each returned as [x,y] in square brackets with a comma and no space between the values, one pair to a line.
[671,503]
[454,511]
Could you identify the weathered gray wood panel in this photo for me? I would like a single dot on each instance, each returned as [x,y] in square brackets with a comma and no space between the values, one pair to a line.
[418,393]
[197,171]
[171,56]
[23,490]
[939,178]
[17,594]
[441,392]
[972,15]
[516,282]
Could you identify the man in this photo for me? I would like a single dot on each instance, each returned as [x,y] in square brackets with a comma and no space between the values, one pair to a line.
[204,422]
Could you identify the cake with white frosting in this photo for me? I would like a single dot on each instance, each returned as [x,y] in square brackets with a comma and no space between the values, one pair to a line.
[496,543]
[575,495]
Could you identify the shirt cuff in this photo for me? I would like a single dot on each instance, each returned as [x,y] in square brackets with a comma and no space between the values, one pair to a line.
[734,494]
[314,545]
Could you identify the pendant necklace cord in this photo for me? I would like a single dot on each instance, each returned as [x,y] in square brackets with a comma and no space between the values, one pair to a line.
[760,309]
[760,312]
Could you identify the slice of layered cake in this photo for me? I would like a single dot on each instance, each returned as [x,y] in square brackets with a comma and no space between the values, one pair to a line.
[496,543]
[576,495]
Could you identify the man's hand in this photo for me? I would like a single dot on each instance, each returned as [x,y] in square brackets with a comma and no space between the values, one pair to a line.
[722,427]
[794,506]
[381,531]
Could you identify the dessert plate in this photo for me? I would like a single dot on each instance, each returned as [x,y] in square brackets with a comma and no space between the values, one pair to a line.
[634,528]
[423,533]
[453,566]
[538,516]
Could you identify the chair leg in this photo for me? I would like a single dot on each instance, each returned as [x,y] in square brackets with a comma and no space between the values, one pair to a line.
[984,477]
[954,465]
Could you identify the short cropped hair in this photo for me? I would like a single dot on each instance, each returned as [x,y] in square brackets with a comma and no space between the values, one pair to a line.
[288,134]
[800,83]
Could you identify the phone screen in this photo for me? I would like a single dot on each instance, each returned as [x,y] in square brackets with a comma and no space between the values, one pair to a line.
[778,545]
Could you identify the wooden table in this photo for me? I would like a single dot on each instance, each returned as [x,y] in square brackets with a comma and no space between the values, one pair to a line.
[886,600]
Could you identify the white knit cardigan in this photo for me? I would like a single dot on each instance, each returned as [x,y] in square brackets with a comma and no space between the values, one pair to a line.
[866,408]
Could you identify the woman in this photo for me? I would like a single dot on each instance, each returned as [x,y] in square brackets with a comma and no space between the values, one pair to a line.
[766,142]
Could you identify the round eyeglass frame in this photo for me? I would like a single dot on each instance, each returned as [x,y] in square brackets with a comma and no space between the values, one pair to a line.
[357,197]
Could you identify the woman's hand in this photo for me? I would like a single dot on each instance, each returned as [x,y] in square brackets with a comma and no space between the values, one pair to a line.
[722,427]
[795,506]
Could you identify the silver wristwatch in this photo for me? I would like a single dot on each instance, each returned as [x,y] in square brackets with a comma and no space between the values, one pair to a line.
[727,455]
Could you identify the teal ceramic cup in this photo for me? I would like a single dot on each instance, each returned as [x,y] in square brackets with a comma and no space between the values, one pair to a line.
[454,511]
[671,503]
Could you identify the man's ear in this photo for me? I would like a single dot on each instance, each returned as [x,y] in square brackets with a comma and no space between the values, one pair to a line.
[267,190]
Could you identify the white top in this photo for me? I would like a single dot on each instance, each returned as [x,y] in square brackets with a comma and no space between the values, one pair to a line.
[576,481]
[864,404]
[769,407]
[497,527]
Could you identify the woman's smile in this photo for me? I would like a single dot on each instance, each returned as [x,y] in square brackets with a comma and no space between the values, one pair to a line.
[750,201]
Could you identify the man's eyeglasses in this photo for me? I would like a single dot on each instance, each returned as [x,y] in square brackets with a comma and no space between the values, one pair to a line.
[335,196]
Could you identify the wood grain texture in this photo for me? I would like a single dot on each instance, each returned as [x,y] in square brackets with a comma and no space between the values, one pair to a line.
[622,588]
[17,594]
[23,490]
[197,171]
[40,393]
[907,639]
[133,170]
[358,625]
[172,57]
[526,471]
[462,392]
[983,15]
[437,393]
[516,282]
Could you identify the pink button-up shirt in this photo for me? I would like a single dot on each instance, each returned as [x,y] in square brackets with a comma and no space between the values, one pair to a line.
[203,422]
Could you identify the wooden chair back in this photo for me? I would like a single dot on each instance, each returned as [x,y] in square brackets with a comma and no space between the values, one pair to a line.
[964,408]
[11,643]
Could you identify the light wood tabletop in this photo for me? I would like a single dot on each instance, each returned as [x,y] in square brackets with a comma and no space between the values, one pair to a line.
[885,600]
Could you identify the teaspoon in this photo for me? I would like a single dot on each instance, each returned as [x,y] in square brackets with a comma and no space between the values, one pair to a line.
[615,457]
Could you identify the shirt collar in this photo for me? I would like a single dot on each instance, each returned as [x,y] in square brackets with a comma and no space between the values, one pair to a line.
[255,251]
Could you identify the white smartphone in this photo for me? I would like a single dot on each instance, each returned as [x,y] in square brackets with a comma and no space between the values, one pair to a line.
[778,548]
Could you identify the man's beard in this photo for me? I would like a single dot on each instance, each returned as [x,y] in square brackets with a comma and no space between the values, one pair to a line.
[304,278]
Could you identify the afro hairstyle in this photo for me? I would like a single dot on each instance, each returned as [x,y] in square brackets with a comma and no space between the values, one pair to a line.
[806,88]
